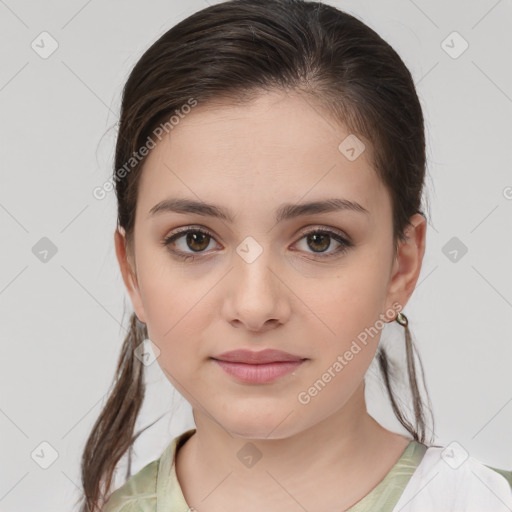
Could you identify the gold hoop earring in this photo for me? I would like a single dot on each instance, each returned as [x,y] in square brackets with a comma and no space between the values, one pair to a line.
[402,319]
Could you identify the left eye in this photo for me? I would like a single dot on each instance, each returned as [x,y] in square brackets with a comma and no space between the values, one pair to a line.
[198,240]
[320,239]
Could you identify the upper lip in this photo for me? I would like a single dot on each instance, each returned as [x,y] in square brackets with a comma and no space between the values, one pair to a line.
[261,357]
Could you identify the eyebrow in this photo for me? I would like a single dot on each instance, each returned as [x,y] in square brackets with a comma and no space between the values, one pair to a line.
[284,212]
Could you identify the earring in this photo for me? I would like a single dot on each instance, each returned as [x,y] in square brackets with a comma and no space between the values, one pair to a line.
[402,319]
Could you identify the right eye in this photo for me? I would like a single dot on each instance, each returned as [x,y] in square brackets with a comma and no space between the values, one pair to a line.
[195,239]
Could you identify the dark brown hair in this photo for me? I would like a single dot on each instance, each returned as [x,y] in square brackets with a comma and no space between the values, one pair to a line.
[236,50]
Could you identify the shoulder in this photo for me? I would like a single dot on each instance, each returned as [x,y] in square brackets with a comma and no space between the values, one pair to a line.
[506,474]
[448,478]
[142,490]
[137,493]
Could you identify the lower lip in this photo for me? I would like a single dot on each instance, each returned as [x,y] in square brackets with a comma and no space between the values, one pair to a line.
[258,373]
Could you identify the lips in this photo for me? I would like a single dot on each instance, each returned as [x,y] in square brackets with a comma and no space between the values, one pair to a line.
[262,357]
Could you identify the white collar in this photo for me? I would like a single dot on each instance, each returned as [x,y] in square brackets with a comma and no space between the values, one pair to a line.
[449,479]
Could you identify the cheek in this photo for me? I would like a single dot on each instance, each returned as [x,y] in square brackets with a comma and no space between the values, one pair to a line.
[342,355]
[349,302]
[178,311]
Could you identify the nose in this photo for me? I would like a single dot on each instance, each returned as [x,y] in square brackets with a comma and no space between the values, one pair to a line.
[256,297]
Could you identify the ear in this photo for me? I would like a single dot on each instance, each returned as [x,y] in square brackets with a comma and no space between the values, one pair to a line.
[129,273]
[408,261]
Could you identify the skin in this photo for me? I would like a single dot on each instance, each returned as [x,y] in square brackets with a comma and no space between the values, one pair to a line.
[276,149]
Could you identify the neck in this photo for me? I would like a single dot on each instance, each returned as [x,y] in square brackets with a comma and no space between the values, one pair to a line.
[339,452]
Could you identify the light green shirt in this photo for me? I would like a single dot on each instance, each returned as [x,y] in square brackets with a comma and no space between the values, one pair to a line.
[155,488]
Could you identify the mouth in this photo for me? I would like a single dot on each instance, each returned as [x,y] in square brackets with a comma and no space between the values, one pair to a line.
[258,367]
[262,357]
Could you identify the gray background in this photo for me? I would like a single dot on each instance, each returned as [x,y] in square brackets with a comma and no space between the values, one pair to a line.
[63,321]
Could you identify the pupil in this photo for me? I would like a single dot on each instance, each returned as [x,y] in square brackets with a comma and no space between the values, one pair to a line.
[324,237]
[192,238]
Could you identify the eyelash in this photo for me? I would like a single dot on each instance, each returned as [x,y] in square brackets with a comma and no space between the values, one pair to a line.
[345,244]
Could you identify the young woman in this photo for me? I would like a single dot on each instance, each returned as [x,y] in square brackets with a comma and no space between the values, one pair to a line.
[269,172]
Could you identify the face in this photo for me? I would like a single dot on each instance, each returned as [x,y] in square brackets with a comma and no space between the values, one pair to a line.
[320,285]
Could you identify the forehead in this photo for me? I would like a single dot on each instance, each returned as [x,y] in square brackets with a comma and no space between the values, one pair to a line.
[278,147]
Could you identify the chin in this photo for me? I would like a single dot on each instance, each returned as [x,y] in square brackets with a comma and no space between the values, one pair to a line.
[253,426]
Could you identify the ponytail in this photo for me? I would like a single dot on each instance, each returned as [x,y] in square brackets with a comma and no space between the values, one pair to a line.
[418,431]
[112,434]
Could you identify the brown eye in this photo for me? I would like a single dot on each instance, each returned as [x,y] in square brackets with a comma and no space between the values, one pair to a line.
[197,241]
[320,240]
[191,243]
[188,242]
